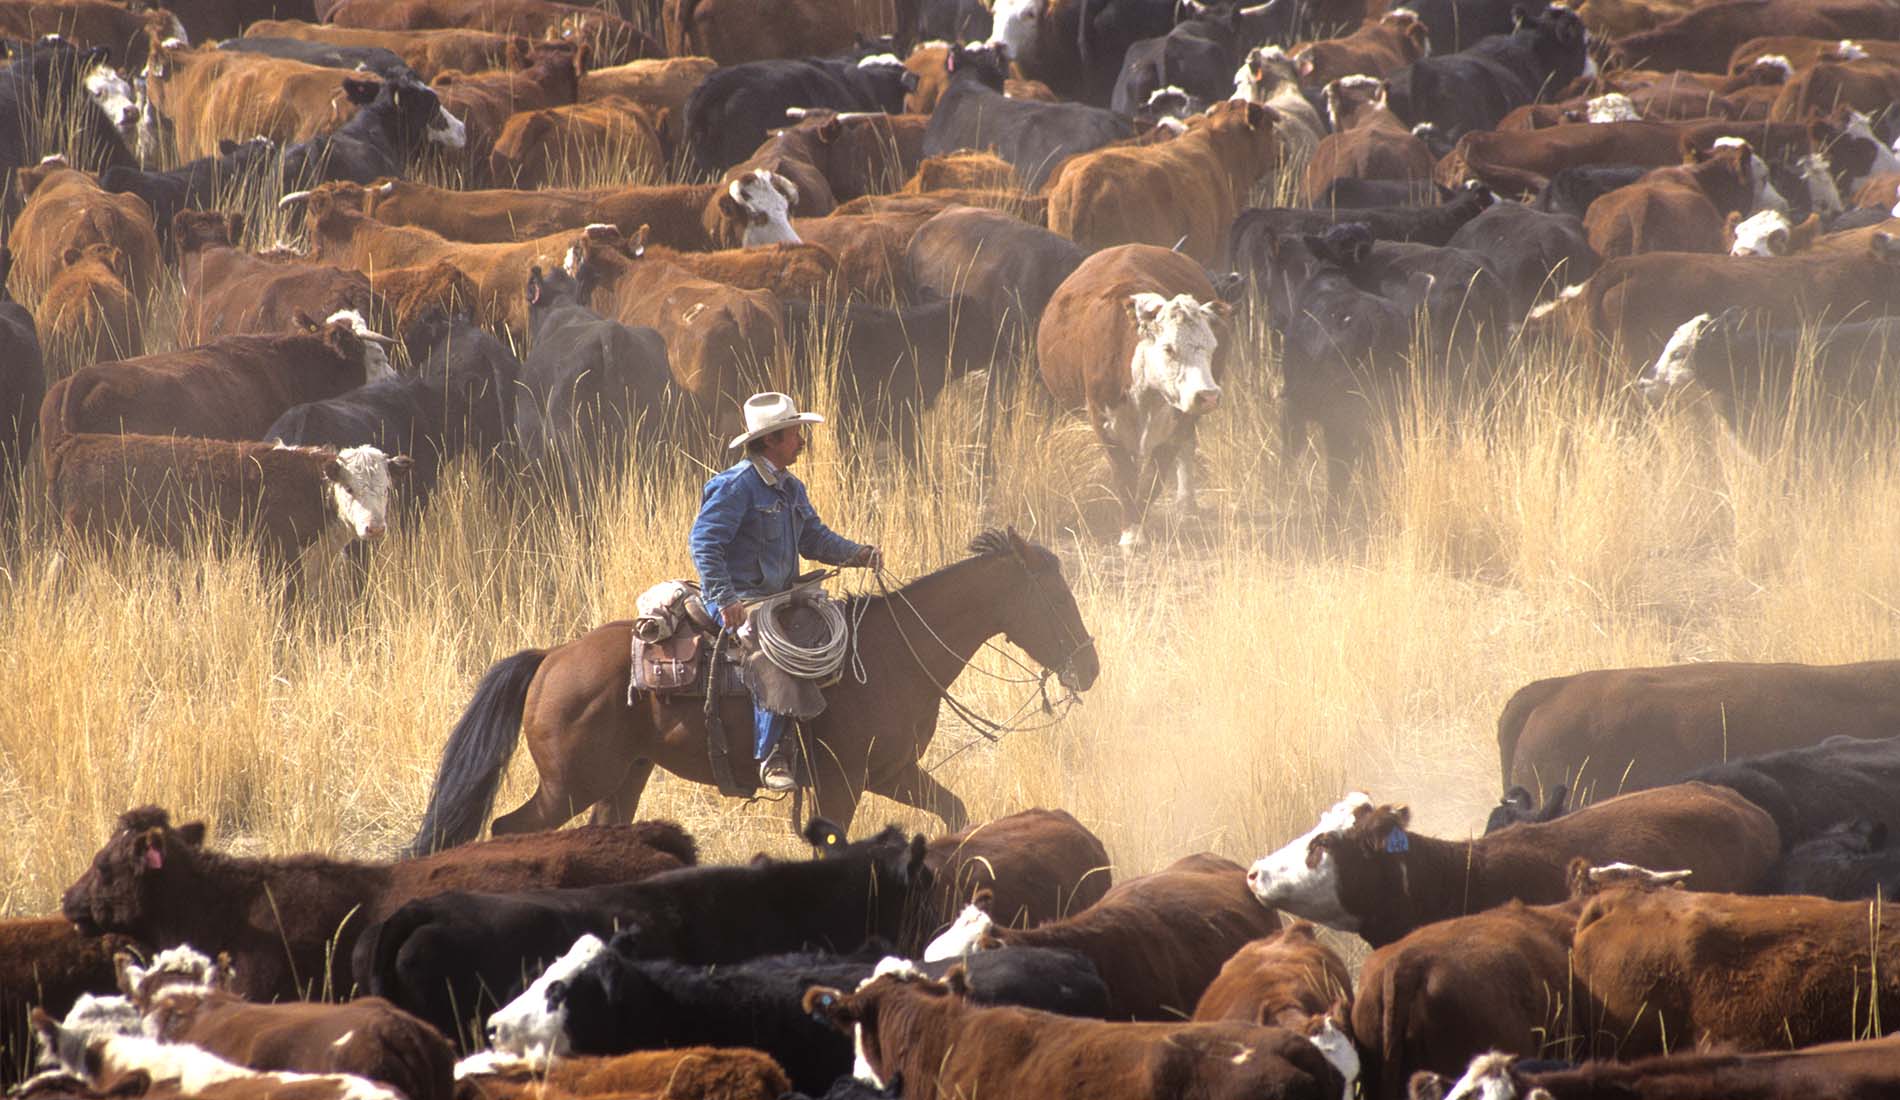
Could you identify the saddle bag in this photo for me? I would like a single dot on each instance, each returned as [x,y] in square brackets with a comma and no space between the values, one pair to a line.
[668,665]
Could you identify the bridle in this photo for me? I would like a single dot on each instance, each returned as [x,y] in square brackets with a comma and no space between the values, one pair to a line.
[1064,671]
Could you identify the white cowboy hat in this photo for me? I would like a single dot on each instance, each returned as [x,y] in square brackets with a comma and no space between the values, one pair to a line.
[766,413]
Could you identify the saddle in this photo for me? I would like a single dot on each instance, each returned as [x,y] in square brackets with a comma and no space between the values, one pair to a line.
[672,637]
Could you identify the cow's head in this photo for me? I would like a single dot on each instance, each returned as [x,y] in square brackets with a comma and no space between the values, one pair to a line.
[986,64]
[1766,233]
[1014,25]
[1854,151]
[1265,71]
[113,95]
[1415,36]
[762,201]
[181,968]
[889,80]
[857,1014]
[534,1024]
[1327,1033]
[1351,100]
[601,252]
[125,889]
[1674,370]
[1750,172]
[1299,877]
[94,1016]
[405,106]
[969,932]
[552,289]
[350,338]
[358,479]
[1175,342]
[1490,1077]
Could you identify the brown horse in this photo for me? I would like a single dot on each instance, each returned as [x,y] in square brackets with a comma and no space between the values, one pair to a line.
[594,749]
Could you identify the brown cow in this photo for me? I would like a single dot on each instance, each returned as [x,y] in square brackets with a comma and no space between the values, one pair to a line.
[1183,193]
[290,923]
[65,209]
[1015,267]
[1157,940]
[1368,141]
[613,39]
[88,315]
[485,101]
[926,64]
[1279,980]
[170,489]
[716,334]
[123,30]
[44,961]
[1868,1070]
[1631,728]
[1616,18]
[688,1073]
[942,1045]
[1520,163]
[1703,38]
[502,216]
[1867,85]
[536,149]
[1675,969]
[974,171]
[430,53]
[1379,47]
[231,388]
[868,249]
[733,32]
[1800,52]
[1028,209]
[1681,209]
[659,85]
[230,291]
[209,95]
[1372,876]
[1038,866]
[1134,338]
[860,152]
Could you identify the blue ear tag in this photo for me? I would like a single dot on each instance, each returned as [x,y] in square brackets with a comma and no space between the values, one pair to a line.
[1396,842]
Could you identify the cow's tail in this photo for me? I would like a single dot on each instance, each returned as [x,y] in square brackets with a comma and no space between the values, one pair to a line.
[1516,712]
[478,749]
[59,413]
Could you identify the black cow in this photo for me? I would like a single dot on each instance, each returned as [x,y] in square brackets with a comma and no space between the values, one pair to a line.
[893,363]
[1535,254]
[1453,25]
[1014,266]
[40,75]
[1808,789]
[1351,191]
[481,374]
[393,119]
[620,1002]
[22,379]
[1573,189]
[1198,56]
[1463,298]
[1433,225]
[941,20]
[1518,807]
[1107,29]
[591,385]
[374,59]
[1475,88]
[453,957]
[973,113]
[193,186]
[1847,861]
[735,108]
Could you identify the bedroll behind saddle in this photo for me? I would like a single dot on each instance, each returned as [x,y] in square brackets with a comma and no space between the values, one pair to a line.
[671,639]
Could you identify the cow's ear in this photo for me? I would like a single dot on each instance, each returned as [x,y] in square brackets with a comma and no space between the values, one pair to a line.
[1886,248]
[1217,309]
[400,464]
[918,849]
[828,1006]
[1729,223]
[1426,1085]
[361,92]
[1146,308]
[731,207]
[226,147]
[333,470]
[908,81]
[958,979]
[637,244]
[950,59]
[48,1031]
[127,972]
[1778,242]
[786,187]
[534,285]
[830,129]
[70,257]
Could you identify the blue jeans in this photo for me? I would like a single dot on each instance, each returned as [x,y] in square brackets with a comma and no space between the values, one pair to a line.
[767,729]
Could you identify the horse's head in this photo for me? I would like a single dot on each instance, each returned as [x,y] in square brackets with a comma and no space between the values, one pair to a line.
[1041,618]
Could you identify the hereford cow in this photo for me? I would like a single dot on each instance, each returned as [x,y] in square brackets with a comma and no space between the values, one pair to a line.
[1183,193]
[1639,727]
[1158,940]
[1133,337]
[1833,1071]
[1367,141]
[929,1033]
[617,1002]
[283,100]
[367,1037]
[43,74]
[231,388]
[1013,266]
[1702,39]
[454,958]
[290,923]
[1671,968]
[1375,878]
[1682,209]
[67,209]
[87,314]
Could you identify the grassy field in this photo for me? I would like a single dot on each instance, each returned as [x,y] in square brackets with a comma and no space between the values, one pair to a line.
[1257,660]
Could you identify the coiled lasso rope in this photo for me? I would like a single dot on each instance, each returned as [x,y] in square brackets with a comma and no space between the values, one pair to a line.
[816,662]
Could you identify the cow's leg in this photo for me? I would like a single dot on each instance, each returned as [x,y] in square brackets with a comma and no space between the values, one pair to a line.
[1186,443]
[1122,470]
[619,807]
[916,787]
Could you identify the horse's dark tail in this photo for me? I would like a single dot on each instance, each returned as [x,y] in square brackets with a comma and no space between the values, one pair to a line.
[478,749]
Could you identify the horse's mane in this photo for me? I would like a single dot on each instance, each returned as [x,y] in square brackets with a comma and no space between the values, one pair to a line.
[990,543]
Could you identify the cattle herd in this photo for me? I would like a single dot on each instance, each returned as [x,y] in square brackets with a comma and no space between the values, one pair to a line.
[372,216]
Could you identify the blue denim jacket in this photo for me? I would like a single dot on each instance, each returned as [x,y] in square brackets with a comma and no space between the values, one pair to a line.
[750,534]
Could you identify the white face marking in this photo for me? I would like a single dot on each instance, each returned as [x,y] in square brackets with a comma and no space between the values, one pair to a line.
[1614,107]
[1339,1050]
[1338,90]
[571,263]
[343,1040]
[1673,369]
[181,967]
[526,1026]
[1775,61]
[361,494]
[881,61]
[1763,234]
[95,1017]
[1489,1078]
[1013,23]
[768,206]
[1850,50]
[494,1061]
[105,87]
[375,359]
[962,937]
[1823,197]
[446,130]
[1884,159]
[1175,355]
[1283,880]
[860,1062]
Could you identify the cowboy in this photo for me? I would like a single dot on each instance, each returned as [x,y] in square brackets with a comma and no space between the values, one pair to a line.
[754,523]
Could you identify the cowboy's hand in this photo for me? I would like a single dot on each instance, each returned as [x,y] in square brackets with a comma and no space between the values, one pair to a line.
[868,558]
[732,615]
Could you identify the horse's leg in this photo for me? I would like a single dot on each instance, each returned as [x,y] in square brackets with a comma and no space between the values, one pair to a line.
[917,787]
[619,808]
[582,735]
[835,792]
